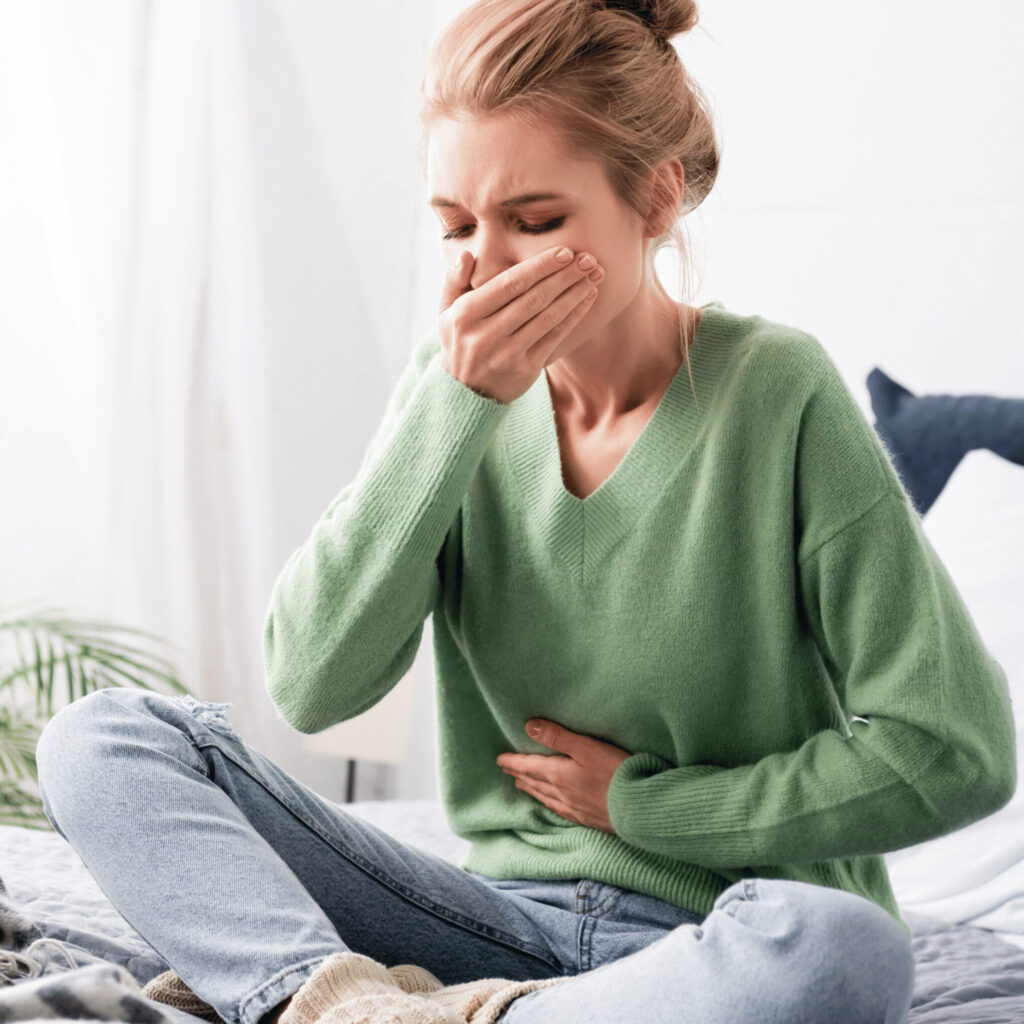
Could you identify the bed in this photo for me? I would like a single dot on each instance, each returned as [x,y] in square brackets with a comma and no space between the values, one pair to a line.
[964,974]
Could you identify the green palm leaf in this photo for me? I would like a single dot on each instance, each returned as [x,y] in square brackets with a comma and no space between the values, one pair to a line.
[90,655]
[21,808]
[18,738]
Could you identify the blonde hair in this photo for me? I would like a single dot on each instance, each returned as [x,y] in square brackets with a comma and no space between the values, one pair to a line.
[606,74]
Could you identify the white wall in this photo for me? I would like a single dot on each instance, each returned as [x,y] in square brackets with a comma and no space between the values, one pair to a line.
[870,186]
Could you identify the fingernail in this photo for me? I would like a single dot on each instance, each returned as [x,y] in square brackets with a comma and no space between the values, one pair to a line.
[533,729]
[596,275]
[587,262]
[563,255]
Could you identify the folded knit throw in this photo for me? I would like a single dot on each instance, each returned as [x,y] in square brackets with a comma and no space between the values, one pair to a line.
[349,988]
[169,989]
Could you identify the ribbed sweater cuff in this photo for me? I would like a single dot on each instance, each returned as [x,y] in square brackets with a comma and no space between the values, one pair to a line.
[638,816]
[408,498]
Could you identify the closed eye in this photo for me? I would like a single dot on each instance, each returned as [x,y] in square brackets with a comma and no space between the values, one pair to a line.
[539,229]
[524,226]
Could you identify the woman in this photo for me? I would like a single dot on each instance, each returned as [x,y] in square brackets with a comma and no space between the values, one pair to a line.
[706,588]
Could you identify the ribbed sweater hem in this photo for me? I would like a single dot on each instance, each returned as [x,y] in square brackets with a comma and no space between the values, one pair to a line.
[592,854]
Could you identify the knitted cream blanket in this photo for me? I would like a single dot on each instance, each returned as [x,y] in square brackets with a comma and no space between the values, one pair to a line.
[349,988]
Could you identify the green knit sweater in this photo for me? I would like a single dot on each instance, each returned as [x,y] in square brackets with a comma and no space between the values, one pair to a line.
[748,605]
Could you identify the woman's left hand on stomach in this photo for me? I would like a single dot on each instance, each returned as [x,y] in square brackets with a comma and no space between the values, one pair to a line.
[574,785]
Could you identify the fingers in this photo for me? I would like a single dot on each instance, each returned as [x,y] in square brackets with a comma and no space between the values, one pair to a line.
[539,303]
[517,281]
[546,331]
[456,280]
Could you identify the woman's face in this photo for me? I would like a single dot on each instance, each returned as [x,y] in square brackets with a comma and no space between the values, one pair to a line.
[506,191]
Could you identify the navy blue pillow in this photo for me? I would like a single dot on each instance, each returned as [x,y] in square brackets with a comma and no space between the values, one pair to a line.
[926,436]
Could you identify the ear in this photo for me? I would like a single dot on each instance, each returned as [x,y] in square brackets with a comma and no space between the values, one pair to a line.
[668,187]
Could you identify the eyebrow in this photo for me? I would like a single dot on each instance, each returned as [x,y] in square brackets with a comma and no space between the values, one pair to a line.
[529,197]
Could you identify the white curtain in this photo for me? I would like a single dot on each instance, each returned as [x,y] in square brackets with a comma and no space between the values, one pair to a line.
[210,232]
[190,541]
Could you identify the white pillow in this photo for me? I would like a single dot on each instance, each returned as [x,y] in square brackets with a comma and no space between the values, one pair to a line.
[976,875]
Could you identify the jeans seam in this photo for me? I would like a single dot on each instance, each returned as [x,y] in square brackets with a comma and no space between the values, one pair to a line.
[417,899]
[588,923]
[582,891]
[584,944]
[607,904]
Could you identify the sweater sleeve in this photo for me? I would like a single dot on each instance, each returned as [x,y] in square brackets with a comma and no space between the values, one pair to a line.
[347,610]
[931,744]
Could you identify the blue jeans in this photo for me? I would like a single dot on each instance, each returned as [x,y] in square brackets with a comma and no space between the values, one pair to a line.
[243,880]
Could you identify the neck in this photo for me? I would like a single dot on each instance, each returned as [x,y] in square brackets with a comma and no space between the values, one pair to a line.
[627,365]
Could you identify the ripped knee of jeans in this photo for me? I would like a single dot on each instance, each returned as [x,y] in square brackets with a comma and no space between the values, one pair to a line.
[210,712]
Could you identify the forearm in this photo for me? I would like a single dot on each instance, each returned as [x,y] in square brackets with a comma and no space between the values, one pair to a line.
[347,611]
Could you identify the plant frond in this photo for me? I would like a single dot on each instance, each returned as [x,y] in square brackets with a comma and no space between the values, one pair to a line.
[21,808]
[18,739]
[89,654]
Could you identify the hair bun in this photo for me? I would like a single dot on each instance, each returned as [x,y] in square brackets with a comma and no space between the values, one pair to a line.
[666,18]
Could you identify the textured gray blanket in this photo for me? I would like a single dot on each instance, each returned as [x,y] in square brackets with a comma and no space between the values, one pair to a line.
[46,979]
[96,968]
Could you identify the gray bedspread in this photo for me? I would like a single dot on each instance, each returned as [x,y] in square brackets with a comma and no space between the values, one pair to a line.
[964,975]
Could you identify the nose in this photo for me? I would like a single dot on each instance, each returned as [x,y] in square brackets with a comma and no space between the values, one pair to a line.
[494,254]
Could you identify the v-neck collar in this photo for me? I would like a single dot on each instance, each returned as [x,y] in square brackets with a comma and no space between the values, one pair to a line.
[582,531]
